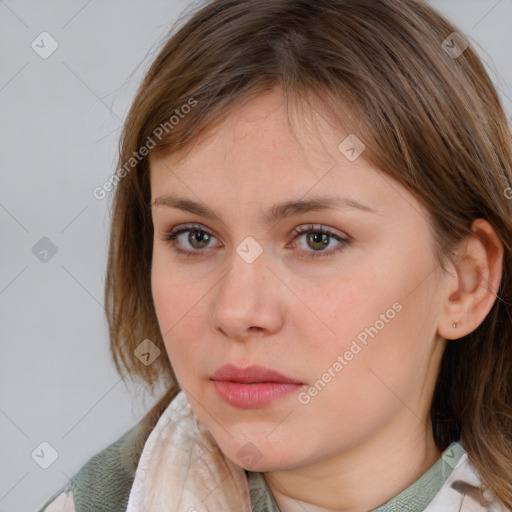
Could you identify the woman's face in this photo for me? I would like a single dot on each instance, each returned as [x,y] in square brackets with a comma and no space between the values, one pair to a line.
[347,308]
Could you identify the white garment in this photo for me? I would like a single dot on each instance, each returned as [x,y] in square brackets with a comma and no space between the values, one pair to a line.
[182,469]
[458,493]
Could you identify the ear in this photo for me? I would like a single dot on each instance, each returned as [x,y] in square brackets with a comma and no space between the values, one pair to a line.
[471,293]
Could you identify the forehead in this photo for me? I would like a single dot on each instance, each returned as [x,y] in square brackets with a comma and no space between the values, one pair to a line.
[262,135]
[253,156]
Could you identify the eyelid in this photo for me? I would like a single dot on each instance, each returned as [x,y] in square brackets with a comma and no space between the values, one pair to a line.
[189,227]
[303,228]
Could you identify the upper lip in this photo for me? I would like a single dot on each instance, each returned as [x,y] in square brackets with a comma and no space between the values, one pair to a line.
[251,374]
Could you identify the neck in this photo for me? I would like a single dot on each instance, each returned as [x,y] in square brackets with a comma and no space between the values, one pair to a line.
[362,478]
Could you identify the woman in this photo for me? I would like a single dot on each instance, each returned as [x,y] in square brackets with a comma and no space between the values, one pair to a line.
[312,234]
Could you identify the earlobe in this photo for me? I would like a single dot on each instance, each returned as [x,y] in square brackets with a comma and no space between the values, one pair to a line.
[473,289]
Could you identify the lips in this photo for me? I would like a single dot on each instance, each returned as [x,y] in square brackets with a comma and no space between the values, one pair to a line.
[251,375]
[253,387]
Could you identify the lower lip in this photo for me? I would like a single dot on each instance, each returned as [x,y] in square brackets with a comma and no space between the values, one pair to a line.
[252,396]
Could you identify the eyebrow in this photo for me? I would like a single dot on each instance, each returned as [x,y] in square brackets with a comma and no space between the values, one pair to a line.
[275,212]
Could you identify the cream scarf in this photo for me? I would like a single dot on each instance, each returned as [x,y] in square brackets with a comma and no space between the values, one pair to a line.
[182,469]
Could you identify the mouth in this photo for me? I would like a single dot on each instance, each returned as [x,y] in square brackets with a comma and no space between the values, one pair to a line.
[253,387]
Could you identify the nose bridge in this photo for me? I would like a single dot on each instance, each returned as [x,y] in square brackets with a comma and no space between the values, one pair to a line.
[242,300]
[246,274]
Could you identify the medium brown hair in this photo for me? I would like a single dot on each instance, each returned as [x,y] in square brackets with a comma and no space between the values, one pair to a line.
[429,119]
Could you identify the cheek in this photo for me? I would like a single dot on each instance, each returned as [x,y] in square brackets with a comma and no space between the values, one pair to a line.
[180,314]
[371,319]
[171,288]
[388,339]
[163,290]
[352,304]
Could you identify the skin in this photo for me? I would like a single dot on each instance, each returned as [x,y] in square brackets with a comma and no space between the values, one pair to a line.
[366,435]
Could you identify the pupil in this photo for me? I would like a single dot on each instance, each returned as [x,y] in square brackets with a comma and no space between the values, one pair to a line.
[319,238]
[198,236]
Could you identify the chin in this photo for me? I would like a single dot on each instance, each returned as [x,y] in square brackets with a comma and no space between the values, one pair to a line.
[260,459]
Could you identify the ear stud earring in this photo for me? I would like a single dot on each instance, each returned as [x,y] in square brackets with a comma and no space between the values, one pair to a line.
[455,325]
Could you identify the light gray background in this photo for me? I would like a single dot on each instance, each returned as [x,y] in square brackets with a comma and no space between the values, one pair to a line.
[60,122]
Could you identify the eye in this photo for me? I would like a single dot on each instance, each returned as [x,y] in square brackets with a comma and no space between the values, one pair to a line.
[197,237]
[317,238]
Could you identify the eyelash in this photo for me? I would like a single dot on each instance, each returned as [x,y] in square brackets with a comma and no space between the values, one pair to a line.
[172,235]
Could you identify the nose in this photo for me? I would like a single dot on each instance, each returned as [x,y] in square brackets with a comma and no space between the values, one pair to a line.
[247,300]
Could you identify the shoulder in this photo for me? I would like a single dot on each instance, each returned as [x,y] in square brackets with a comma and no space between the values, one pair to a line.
[104,482]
